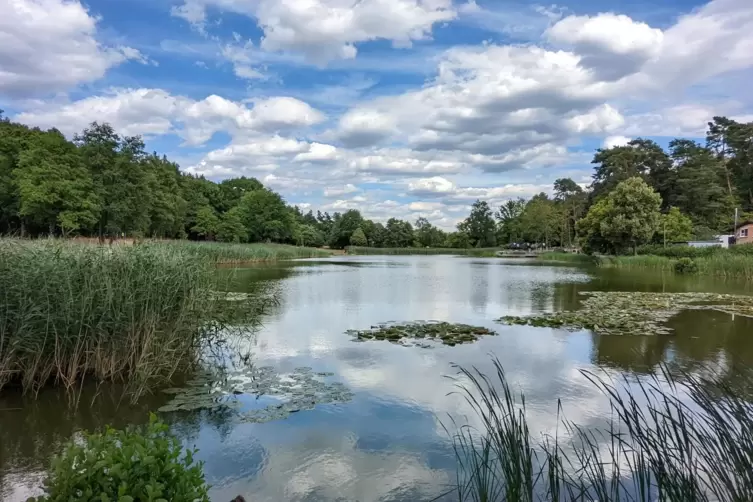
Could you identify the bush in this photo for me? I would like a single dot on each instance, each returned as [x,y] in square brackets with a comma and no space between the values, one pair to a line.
[127,466]
[686,266]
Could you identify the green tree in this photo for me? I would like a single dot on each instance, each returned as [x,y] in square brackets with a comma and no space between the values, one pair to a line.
[427,235]
[572,201]
[309,235]
[54,187]
[167,207]
[508,221]
[343,227]
[232,190]
[230,227]
[625,219]
[358,238]
[675,227]
[458,240]
[266,216]
[480,225]
[540,221]
[207,223]
[398,234]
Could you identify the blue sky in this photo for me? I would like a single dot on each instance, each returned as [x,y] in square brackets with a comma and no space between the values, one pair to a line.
[400,108]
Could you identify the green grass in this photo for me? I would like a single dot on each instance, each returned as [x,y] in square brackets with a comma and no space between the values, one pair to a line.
[218,252]
[478,252]
[567,258]
[668,440]
[136,314]
[727,265]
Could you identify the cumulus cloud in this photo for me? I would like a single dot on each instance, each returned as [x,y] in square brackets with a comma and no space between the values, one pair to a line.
[613,141]
[156,111]
[340,191]
[325,30]
[48,46]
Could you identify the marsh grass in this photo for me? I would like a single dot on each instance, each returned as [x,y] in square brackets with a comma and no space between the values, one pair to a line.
[728,265]
[577,258]
[132,314]
[477,252]
[226,253]
[667,441]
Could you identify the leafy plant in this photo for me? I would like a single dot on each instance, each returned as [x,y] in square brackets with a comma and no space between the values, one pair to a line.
[686,266]
[135,465]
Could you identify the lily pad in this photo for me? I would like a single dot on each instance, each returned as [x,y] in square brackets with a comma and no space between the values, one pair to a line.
[302,389]
[634,313]
[403,333]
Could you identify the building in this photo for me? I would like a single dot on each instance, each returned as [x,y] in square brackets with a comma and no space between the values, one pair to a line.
[744,233]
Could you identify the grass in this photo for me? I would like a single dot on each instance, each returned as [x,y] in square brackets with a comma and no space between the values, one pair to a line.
[728,265]
[136,314]
[477,252]
[224,253]
[578,258]
[667,441]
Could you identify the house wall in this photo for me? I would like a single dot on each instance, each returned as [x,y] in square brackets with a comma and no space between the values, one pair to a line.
[745,234]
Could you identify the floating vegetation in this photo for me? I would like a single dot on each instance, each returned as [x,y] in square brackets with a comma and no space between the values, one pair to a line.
[447,333]
[300,390]
[634,313]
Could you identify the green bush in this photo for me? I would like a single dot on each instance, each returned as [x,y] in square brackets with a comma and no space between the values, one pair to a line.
[686,266]
[136,465]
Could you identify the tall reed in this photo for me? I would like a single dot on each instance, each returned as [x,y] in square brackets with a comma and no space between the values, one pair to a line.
[477,252]
[123,313]
[219,252]
[668,441]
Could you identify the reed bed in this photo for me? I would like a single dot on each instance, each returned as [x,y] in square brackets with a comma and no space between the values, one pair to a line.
[577,258]
[135,314]
[225,253]
[687,438]
[477,252]
[728,265]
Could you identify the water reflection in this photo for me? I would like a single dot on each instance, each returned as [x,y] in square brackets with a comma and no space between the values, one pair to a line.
[388,443]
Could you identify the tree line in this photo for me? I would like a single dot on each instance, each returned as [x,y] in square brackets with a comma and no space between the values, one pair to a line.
[106,185]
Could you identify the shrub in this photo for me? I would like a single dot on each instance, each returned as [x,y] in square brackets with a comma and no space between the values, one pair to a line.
[127,466]
[686,266]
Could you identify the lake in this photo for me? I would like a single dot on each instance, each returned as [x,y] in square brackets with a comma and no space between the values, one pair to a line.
[387,443]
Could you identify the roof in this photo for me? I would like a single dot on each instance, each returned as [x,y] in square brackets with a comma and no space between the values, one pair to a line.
[743,224]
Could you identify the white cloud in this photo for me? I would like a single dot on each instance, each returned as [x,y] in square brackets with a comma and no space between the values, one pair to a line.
[156,111]
[613,141]
[48,46]
[325,30]
[340,191]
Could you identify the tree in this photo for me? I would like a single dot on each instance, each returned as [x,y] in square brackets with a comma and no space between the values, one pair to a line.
[572,200]
[266,216]
[358,238]
[700,190]
[309,235]
[675,227]
[232,190]
[398,234]
[427,235]
[540,221]
[343,227]
[207,223]
[54,187]
[640,157]
[480,225]
[458,240]
[508,220]
[626,218]
[231,228]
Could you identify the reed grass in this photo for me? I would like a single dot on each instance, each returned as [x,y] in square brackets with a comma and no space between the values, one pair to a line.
[577,258]
[686,438]
[68,311]
[477,252]
[226,253]
[728,265]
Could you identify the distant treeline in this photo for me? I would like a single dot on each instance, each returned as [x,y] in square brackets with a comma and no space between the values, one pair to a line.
[105,185]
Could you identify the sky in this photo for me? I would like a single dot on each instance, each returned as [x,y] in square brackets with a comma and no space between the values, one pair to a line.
[398,108]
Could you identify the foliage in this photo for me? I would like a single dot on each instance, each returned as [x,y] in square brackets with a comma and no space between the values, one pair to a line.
[427,235]
[343,227]
[207,223]
[675,227]
[358,238]
[479,226]
[398,234]
[125,313]
[626,218]
[266,216]
[675,449]
[686,266]
[230,227]
[309,235]
[127,466]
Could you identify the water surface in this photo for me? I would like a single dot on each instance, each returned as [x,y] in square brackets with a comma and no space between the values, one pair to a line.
[388,443]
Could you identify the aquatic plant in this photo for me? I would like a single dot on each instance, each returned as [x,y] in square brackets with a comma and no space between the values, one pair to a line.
[686,266]
[302,389]
[671,438]
[225,253]
[444,332]
[134,314]
[130,465]
[477,252]
[633,313]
